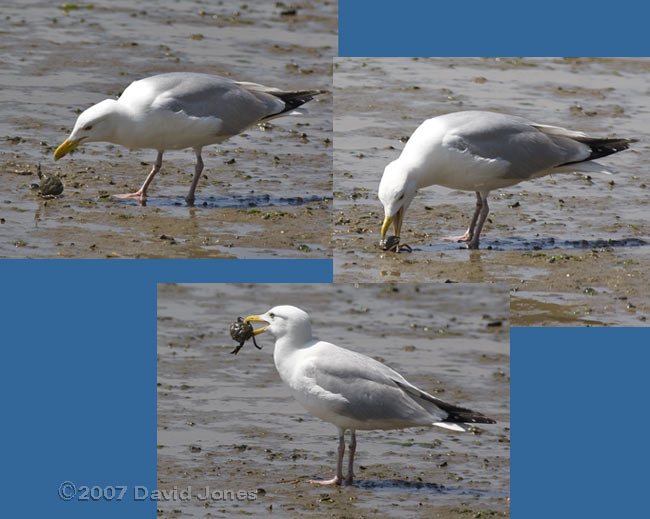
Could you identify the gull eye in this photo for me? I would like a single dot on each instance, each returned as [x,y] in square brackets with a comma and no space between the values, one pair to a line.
[89,127]
[271,315]
[401,197]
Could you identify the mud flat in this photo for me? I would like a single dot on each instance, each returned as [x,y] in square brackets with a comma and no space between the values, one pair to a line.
[266,193]
[572,247]
[228,423]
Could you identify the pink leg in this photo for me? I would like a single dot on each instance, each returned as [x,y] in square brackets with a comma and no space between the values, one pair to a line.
[473,243]
[141,194]
[469,233]
[198,168]
[352,447]
[463,237]
[336,480]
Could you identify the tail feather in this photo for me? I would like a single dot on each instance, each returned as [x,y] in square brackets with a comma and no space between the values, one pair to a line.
[603,147]
[294,99]
[455,414]
[450,426]
[599,147]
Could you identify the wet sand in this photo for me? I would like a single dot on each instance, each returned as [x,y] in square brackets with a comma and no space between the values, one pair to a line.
[228,422]
[572,247]
[265,193]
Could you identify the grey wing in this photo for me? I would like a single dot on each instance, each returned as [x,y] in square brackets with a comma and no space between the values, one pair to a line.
[371,391]
[201,95]
[527,148]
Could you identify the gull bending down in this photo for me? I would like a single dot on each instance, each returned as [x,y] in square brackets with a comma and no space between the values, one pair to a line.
[482,151]
[180,110]
[348,389]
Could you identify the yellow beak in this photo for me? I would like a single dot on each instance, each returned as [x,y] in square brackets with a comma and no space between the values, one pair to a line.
[396,220]
[257,319]
[66,147]
[384,228]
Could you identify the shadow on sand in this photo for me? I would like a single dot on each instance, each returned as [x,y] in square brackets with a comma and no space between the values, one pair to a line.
[423,487]
[525,244]
[232,201]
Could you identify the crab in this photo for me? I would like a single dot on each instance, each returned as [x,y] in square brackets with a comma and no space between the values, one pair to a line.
[241,331]
[392,244]
[50,185]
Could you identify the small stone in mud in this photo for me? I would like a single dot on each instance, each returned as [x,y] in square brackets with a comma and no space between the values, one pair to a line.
[195,448]
[66,8]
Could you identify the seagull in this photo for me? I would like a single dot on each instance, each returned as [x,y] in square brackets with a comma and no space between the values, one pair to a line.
[180,110]
[481,151]
[348,389]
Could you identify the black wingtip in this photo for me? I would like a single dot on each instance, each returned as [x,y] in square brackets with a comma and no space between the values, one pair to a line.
[467,416]
[455,414]
[604,147]
[293,100]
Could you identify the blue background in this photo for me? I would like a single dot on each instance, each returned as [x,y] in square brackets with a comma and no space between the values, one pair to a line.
[78,374]
[493,28]
[580,421]
[78,368]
